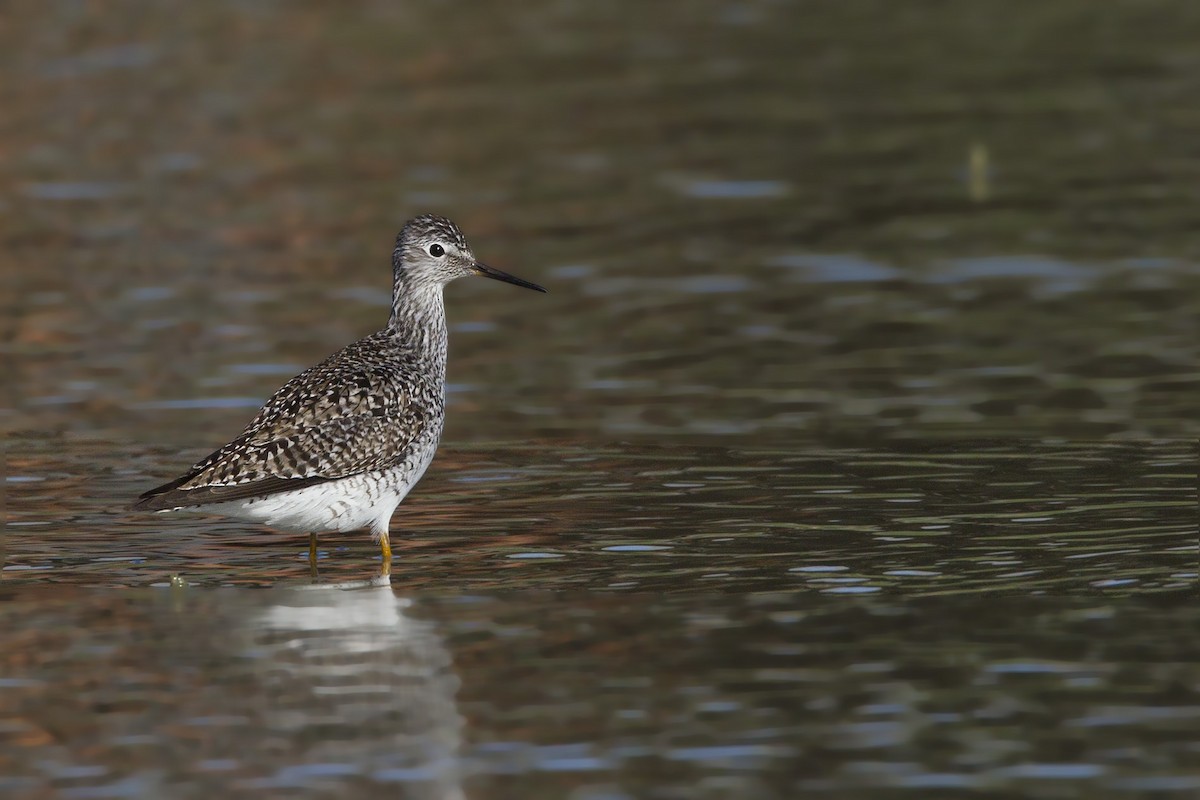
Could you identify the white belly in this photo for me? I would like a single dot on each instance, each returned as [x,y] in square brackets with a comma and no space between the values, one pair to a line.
[348,504]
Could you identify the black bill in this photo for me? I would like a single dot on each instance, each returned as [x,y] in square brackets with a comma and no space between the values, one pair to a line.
[490,272]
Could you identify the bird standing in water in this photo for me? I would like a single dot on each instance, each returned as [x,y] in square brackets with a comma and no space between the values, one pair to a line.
[340,445]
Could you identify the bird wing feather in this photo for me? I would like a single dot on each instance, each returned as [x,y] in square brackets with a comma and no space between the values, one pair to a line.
[331,421]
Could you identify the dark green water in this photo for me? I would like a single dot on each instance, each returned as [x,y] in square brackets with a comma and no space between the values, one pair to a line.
[853,451]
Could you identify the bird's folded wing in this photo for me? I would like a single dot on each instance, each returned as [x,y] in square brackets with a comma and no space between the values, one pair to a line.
[316,428]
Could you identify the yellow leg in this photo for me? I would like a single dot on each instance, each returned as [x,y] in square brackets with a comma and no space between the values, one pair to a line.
[385,551]
[312,554]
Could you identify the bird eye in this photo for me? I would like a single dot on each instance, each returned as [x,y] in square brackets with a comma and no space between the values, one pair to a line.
[436,250]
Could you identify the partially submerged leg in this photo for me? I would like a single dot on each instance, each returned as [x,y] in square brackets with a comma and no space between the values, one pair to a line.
[379,532]
[385,552]
[312,554]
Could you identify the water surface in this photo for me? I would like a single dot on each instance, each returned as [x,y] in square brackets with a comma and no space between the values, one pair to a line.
[770,694]
[852,451]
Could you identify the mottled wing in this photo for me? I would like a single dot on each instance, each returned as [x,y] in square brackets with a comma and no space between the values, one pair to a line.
[342,417]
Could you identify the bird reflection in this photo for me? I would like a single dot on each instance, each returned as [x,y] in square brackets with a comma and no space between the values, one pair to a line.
[353,687]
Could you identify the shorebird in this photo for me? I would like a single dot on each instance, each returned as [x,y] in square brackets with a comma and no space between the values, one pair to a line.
[338,447]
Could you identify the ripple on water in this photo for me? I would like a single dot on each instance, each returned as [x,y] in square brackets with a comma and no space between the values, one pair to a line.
[78,190]
[198,403]
[835,268]
[1051,274]
[264,369]
[150,294]
[734,190]
[635,548]
[714,284]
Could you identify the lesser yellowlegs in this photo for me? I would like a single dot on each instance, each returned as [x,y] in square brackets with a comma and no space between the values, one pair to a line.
[340,445]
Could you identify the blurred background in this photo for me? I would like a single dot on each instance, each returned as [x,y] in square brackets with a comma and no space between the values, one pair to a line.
[852,452]
[759,221]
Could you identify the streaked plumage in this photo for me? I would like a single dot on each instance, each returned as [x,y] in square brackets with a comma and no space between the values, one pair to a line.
[338,447]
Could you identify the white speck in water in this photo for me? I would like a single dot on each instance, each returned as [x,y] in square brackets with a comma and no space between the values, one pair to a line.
[851,590]
[819,568]
[635,548]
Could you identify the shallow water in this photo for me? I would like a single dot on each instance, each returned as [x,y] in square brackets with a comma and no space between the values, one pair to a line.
[621,621]
[917,520]
[770,694]
[852,451]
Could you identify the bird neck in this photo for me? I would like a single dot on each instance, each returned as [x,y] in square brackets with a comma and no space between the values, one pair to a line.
[419,320]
